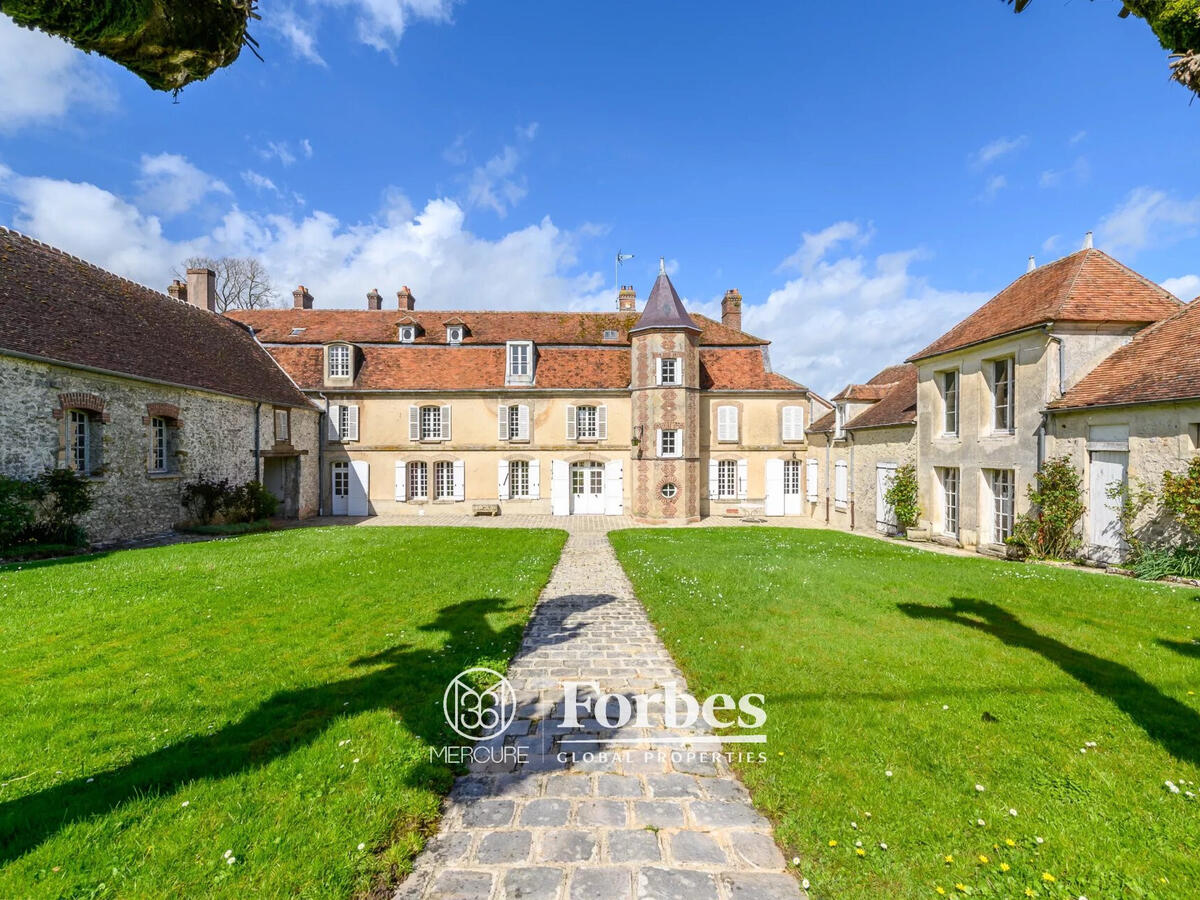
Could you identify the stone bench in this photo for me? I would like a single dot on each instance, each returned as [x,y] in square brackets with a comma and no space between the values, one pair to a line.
[485,509]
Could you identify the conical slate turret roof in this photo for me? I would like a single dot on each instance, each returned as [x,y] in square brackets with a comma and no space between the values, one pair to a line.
[664,309]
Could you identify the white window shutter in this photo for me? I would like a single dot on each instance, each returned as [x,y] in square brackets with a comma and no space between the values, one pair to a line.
[502,423]
[658,441]
[523,422]
[773,504]
[812,480]
[401,485]
[352,423]
[535,480]
[570,425]
[614,488]
[602,422]
[727,423]
[743,484]
[658,370]
[560,487]
[712,479]
[414,423]
[793,423]
[335,416]
[502,480]
[459,474]
[446,424]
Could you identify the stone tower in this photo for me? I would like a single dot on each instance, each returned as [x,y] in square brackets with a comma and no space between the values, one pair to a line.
[665,385]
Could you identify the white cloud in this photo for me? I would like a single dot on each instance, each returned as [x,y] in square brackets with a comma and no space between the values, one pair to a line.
[378,23]
[279,150]
[259,181]
[1051,242]
[43,77]
[1077,137]
[994,186]
[1147,215]
[1185,287]
[297,32]
[847,315]
[495,184]
[990,152]
[1078,172]
[306,148]
[170,185]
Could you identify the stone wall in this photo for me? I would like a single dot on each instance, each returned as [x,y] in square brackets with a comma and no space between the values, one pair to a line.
[212,436]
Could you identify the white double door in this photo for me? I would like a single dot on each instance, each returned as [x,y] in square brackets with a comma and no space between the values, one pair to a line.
[587,488]
[783,482]
[349,488]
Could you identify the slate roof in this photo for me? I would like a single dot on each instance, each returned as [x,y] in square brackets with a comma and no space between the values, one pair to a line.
[1087,286]
[664,309]
[57,307]
[1161,363]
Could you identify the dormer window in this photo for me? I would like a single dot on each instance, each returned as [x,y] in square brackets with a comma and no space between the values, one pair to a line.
[519,363]
[296,332]
[338,361]
[610,334]
[408,334]
[454,334]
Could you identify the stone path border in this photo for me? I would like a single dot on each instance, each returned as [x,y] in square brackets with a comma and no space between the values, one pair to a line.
[649,819]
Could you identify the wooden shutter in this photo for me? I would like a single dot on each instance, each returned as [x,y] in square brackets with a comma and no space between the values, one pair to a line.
[727,423]
[614,488]
[793,423]
[351,423]
[841,493]
[459,477]
[602,422]
[401,483]
[560,488]
[535,483]
[502,423]
[658,441]
[331,424]
[414,423]
[811,475]
[658,370]
[445,423]
[502,480]
[523,422]
[773,502]
[570,425]
[743,484]
[712,479]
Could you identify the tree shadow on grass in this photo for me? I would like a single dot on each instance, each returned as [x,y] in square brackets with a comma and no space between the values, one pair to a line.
[1186,648]
[402,679]
[1171,724]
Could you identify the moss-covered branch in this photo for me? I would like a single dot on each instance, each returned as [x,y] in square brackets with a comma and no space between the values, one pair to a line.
[166,43]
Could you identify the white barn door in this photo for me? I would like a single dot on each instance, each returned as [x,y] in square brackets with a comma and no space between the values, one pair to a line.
[885,516]
[1108,467]
[773,503]
[360,476]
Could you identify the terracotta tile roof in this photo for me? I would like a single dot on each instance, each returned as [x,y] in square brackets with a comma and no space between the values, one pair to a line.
[897,406]
[1088,286]
[824,424]
[364,326]
[740,370]
[57,307]
[1160,363]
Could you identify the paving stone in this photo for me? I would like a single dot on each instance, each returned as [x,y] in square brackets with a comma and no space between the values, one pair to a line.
[567,846]
[531,883]
[504,847]
[488,813]
[758,851]
[601,883]
[726,814]
[611,813]
[658,813]
[673,785]
[619,786]
[568,786]
[761,886]
[675,884]
[545,813]
[634,845]
[449,847]
[458,884]
[696,847]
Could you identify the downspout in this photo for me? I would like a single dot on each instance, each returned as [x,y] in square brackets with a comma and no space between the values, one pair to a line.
[828,460]
[322,426]
[257,436]
[853,492]
[1062,389]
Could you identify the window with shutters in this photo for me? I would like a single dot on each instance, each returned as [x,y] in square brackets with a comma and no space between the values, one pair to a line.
[431,423]
[727,478]
[443,480]
[668,370]
[514,424]
[518,478]
[1003,399]
[670,443]
[418,481]
[791,477]
[338,356]
[727,424]
[343,426]
[586,423]
[793,423]
[949,403]
[841,485]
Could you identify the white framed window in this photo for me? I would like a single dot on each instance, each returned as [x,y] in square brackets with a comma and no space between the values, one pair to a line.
[841,484]
[610,334]
[949,387]
[341,479]
[339,360]
[1003,400]
[792,423]
[669,490]
[670,443]
[79,441]
[950,500]
[454,334]
[668,370]
[812,482]
[159,460]
[727,479]
[443,480]
[282,431]
[343,423]
[518,478]
[418,481]
[791,477]
[429,423]
[587,423]
[727,424]
[1003,487]
[513,422]
[408,334]
[519,362]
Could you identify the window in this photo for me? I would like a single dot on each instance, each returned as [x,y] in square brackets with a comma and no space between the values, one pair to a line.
[281,425]
[791,477]
[443,480]
[727,424]
[79,441]
[431,423]
[727,479]
[841,485]
[610,334]
[668,370]
[585,422]
[513,422]
[341,479]
[518,478]
[296,332]
[339,361]
[418,481]
[793,423]
[950,501]
[1194,434]
[159,461]
[408,334]
[839,421]
[520,362]
[343,423]
[669,443]
[1002,394]
[669,490]
[454,334]
[950,403]
[1002,504]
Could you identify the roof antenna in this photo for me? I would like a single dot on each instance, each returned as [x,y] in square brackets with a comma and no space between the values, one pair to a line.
[621,257]
[662,266]
[1087,241]
[1032,265]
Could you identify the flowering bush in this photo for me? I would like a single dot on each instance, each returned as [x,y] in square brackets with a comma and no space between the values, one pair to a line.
[1050,530]
[1181,499]
[902,496]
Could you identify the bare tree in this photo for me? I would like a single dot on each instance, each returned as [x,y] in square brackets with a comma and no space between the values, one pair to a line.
[242,281]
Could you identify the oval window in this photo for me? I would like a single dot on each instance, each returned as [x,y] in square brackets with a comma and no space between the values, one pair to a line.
[669,490]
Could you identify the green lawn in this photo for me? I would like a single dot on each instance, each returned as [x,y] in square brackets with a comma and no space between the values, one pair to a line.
[947,673]
[272,696]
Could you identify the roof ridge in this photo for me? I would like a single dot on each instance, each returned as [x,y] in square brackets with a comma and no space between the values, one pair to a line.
[1070,286]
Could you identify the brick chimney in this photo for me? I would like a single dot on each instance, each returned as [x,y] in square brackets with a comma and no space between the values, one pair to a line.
[731,310]
[406,298]
[627,299]
[374,299]
[301,298]
[202,288]
[177,290]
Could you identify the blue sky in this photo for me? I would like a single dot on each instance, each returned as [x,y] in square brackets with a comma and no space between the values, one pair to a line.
[865,182]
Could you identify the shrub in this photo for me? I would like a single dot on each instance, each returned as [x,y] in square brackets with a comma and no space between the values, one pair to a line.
[1050,530]
[1132,501]
[902,496]
[1181,499]
[1182,562]
[45,509]
[251,502]
[17,514]
[207,499]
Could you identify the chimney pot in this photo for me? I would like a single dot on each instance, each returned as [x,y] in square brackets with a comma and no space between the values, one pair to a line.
[731,309]
[374,299]
[1031,265]
[1087,241]
[177,290]
[301,298]
[406,299]
[627,299]
[202,288]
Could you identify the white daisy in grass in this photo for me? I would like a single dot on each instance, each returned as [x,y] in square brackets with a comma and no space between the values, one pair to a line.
[980,788]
